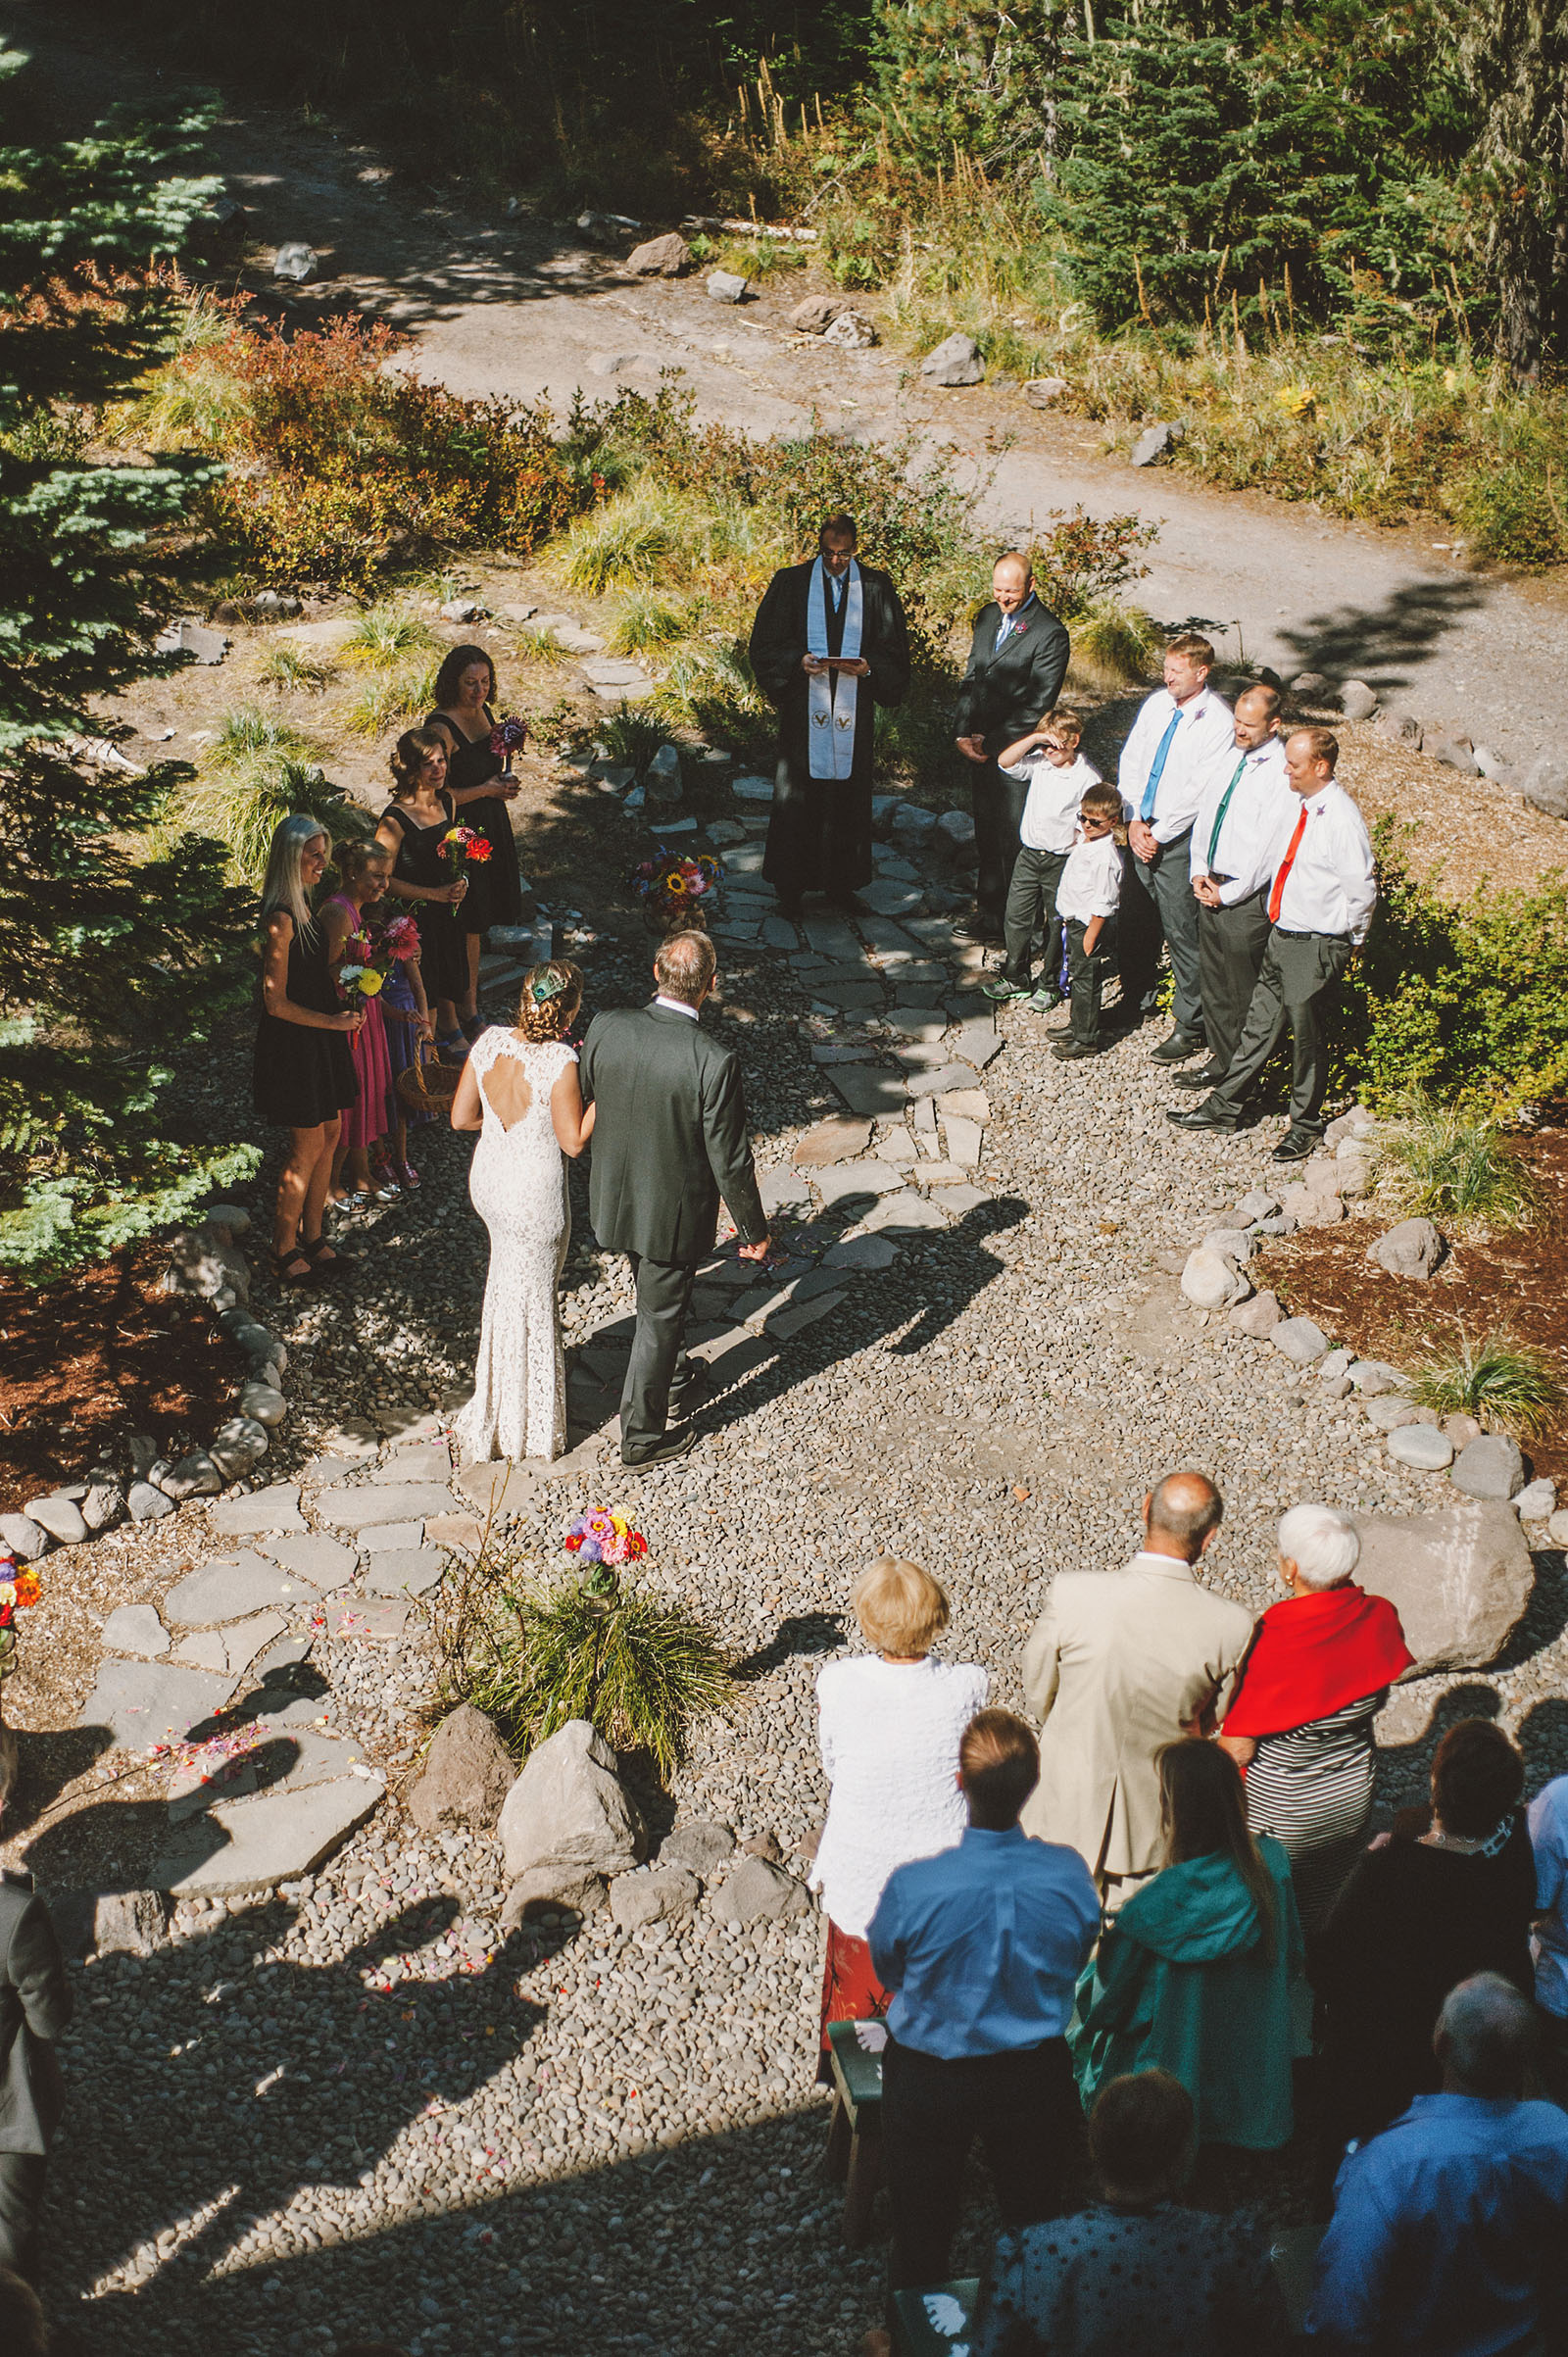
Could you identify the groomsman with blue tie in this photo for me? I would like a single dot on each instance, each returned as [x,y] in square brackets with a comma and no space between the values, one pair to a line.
[1183,729]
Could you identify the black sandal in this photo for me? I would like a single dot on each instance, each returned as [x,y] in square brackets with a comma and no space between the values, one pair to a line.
[341,1264]
[285,1270]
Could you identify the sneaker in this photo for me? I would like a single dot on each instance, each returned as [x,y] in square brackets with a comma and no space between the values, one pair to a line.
[1043,1001]
[1002,987]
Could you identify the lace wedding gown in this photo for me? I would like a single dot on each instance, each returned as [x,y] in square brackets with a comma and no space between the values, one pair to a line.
[518,1183]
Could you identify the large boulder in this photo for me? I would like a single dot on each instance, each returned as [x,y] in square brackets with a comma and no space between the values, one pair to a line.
[1492,1467]
[956,360]
[1546,788]
[666,256]
[568,1808]
[1413,1248]
[468,1774]
[1459,1579]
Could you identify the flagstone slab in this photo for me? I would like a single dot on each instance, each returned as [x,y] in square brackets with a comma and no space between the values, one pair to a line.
[360,1508]
[403,1571]
[785,1324]
[903,973]
[889,898]
[868,1089]
[965,1140]
[832,938]
[427,1461]
[322,1563]
[978,1041]
[961,1198]
[394,1533]
[146,1702]
[137,1629]
[274,1509]
[942,1080]
[831,1141]
[783,1191]
[231,1588]
[374,1618]
[850,997]
[969,1104]
[845,1179]
[500,1486]
[905,1210]
[271,1837]
[454,1530]
[862,1252]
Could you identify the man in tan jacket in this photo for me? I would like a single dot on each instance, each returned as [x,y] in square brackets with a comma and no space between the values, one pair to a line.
[1121,1663]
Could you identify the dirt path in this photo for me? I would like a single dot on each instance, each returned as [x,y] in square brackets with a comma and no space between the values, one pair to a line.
[521,308]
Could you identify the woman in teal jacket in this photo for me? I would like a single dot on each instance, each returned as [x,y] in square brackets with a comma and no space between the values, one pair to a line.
[1201,1973]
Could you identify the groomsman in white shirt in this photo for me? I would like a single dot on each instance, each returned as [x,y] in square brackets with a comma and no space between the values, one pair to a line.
[1319,905]
[1232,840]
[1181,730]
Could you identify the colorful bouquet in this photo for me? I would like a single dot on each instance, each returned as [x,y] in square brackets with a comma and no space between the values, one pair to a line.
[675,889]
[361,981]
[604,1538]
[19,1589]
[464,846]
[400,938]
[509,737]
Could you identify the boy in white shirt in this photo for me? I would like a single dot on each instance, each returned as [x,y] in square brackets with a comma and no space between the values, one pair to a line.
[1086,901]
[1048,757]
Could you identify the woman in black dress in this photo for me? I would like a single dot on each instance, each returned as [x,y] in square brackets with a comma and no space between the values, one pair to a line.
[481,786]
[411,828]
[303,1070]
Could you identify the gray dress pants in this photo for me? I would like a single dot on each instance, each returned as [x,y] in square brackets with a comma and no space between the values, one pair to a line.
[659,1358]
[1297,969]
[1166,885]
[1231,943]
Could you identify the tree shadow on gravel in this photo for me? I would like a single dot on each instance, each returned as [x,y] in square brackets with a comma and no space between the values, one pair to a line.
[1386,645]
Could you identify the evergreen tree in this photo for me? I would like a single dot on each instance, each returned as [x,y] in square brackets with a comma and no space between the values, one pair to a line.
[111,954]
[978,76]
[1516,58]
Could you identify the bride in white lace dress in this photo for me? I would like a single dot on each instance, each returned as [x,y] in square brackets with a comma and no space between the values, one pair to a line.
[520,1090]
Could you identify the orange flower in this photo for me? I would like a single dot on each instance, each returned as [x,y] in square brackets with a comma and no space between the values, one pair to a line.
[29,1588]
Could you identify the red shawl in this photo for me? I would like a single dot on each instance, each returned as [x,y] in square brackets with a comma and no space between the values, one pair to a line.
[1312,1654]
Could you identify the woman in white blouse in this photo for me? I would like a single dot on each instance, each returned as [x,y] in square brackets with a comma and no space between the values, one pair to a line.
[887,1728]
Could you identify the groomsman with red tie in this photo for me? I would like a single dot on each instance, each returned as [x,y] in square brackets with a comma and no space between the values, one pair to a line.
[1319,906]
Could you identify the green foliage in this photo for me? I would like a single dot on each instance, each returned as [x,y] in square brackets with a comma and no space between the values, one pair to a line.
[290,668]
[1452,1162]
[974,75]
[631,735]
[257,770]
[639,1670]
[1462,1003]
[383,636]
[634,539]
[1083,563]
[111,954]
[647,622]
[394,697]
[1508,1384]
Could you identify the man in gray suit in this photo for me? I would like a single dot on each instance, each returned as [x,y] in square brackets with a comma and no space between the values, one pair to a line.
[670,1140]
[35,2005]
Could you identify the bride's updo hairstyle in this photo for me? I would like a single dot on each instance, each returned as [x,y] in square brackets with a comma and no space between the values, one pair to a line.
[409,754]
[551,997]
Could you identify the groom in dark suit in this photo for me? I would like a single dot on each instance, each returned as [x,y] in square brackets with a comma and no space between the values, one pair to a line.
[670,1140]
[1017,667]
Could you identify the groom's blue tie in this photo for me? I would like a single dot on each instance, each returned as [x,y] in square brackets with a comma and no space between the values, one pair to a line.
[1158,771]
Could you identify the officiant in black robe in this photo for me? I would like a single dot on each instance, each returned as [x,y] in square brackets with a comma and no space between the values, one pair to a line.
[819,834]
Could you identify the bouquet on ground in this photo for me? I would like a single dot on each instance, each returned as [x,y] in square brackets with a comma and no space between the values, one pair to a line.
[19,1589]
[465,847]
[677,889]
[507,738]
[604,1538]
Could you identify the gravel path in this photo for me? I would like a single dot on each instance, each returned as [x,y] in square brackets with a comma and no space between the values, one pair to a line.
[353,2106]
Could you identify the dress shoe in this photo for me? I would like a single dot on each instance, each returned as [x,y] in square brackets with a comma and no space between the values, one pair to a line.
[1208,1077]
[1178,1048]
[1296,1145]
[1070,1051]
[674,1444]
[1202,1117]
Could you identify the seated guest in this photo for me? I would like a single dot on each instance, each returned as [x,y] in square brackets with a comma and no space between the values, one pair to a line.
[1119,1664]
[1199,1974]
[1448,2236]
[1300,1727]
[1135,2275]
[981,1946]
[889,1724]
[1451,1893]
[1547,1821]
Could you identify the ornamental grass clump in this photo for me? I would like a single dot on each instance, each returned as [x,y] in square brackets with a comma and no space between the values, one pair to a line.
[639,1670]
[1509,1386]
[1451,1163]
[257,770]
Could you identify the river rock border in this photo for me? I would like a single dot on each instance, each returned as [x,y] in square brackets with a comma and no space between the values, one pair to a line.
[205,1264]
[1214,1279]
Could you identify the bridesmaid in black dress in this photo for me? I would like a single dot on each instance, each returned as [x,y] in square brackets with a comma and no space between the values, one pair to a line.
[303,1070]
[411,828]
[481,786]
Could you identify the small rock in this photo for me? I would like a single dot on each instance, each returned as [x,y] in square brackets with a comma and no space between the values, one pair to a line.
[1402,726]
[851,330]
[568,1808]
[1259,1316]
[295,260]
[1259,1205]
[147,1504]
[61,1517]
[1454,754]
[661,784]
[1156,442]
[1536,1502]
[129,1923]
[1557,1529]
[1390,1412]
[194,1476]
[1358,702]
[1043,392]
[1546,789]
[1370,1376]
[1210,1283]
[553,1890]
[957,830]
[1313,687]
[1492,764]
[1413,1250]
[764,1846]
[1338,1363]
[103,1506]
[1337,1386]
[1422,1446]
[1300,1340]
[956,360]
[263,1403]
[1462,1429]
[237,1446]
[232,1218]
[1491,1467]
[1232,1243]
[463,609]
[725,287]
[468,1774]
[699,1848]
[666,256]
[759,1893]
[814,315]
[658,1894]
[274,1509]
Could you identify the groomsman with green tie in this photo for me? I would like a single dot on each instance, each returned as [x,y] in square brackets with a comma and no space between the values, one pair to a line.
[1231,842]
[1181,730]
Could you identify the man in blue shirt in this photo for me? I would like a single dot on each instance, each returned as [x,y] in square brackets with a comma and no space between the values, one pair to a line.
[982,1947]
[1450,2235]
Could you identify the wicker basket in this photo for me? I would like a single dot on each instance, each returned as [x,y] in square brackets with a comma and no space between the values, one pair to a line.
[427,1085]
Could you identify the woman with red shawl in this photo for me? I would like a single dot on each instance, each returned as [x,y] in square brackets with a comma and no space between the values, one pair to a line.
[1300,1725]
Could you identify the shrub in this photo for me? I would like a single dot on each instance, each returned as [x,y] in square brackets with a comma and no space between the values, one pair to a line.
[631,737]
[634,539]
[1506,1384]
[647,621]
[393,696]
[383,635]
[540,645]
[259,770]
[1115,646]
[1451,1163]
[289,667]
[639,1670]
[1084,561]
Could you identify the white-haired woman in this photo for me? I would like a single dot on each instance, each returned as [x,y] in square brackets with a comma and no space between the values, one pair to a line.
[889,1723]
[303,1070]
[1300,1725]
